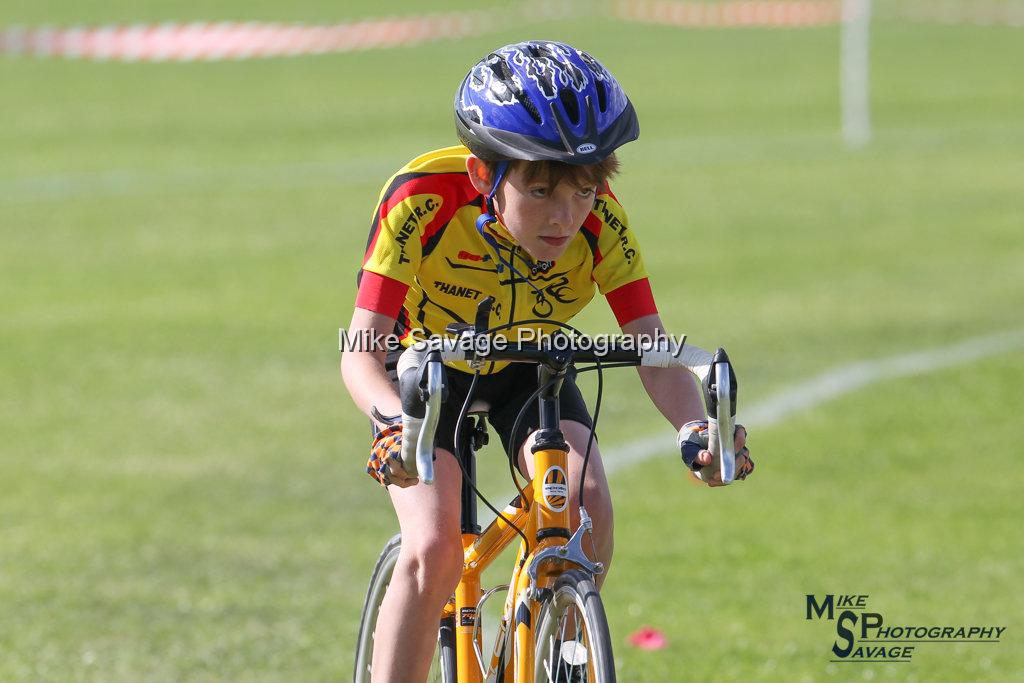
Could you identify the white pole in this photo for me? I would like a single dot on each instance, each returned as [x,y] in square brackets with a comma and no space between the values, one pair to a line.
[855,81]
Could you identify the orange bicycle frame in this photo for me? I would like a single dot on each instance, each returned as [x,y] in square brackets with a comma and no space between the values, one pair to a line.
[546,524]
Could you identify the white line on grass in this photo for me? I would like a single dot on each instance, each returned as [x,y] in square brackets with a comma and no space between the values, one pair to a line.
[830,385]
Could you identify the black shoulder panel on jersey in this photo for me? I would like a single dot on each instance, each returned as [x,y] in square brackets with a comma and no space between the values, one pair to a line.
[398,182]
[591,239]
[434,239]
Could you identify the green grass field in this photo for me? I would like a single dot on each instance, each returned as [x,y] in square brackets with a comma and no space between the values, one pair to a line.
[181,486]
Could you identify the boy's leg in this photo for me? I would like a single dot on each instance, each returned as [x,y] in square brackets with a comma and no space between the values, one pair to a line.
[428,569]
[596,496]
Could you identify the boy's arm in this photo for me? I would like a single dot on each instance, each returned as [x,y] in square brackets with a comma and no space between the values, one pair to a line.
[673,390]
[363,370]
[675,393]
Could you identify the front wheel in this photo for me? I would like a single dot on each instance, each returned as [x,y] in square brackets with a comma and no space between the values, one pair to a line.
[573,643]
[442,668]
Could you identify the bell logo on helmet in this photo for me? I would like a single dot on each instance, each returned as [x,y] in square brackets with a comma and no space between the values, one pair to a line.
[586,148]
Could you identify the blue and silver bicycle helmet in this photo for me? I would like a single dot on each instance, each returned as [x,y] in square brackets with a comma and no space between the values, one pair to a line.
[541,100]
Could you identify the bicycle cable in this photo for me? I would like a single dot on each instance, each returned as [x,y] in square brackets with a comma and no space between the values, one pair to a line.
[593,433]
[593,427]
[590,439]
[464,415]
[513,457]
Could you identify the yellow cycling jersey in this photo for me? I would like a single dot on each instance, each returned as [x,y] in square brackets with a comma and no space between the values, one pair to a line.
[427,265]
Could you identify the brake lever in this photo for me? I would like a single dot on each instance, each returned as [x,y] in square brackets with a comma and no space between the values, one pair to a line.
[720,389]
[434,390]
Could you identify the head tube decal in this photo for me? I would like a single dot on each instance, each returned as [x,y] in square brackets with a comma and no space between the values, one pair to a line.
[555,490]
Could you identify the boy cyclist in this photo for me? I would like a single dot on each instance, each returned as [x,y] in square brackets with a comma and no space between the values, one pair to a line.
[521,212]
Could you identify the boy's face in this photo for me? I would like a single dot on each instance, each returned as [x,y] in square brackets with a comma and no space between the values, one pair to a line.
[541,218]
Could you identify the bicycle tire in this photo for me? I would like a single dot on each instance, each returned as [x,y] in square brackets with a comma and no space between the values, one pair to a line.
[574,593]
[443,666]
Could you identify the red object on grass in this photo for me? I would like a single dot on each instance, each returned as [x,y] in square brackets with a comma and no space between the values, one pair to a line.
[648,638]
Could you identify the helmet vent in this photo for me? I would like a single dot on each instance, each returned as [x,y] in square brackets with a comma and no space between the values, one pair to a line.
[525,100]
[572,106]
[602,96]
[500,68]
[506,76]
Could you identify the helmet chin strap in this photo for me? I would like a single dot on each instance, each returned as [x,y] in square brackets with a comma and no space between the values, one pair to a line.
[489,217]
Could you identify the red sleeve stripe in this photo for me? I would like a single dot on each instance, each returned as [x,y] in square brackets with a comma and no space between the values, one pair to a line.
[435,183]
[631,301]
[381,294]
[453,198]
[403,187]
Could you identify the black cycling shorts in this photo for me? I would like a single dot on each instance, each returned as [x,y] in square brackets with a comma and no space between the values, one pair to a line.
[505,392]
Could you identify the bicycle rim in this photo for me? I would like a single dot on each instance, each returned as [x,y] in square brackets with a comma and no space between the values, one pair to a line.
[572,642]
[443,665]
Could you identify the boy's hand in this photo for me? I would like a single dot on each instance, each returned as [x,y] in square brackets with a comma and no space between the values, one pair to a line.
[693,443]
[385,463]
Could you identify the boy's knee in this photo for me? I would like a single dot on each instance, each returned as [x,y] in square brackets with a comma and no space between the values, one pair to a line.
[435,565]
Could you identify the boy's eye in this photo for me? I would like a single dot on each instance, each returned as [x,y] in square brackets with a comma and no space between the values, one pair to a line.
[587,192]
[540,191]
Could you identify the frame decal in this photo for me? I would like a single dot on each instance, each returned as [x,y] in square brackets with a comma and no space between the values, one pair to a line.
[555,490]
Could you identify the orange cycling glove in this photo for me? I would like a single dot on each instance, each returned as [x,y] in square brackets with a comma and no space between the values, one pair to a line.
[385,463]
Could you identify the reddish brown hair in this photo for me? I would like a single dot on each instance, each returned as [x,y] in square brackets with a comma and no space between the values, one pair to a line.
[554,172]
